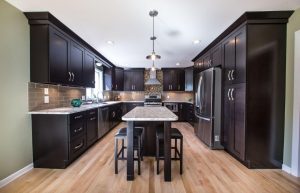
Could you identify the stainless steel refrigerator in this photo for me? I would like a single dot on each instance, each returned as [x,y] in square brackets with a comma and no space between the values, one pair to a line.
[208,107]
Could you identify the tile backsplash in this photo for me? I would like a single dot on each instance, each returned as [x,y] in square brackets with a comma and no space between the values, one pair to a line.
[59,96]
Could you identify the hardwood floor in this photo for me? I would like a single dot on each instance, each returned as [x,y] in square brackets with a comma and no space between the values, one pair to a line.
[205,170]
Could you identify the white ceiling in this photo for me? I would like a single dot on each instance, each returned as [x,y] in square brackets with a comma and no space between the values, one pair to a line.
[128,24]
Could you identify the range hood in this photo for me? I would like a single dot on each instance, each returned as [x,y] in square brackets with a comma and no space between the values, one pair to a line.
[152,80]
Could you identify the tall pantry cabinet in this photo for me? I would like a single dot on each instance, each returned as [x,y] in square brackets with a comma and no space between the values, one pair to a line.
[253,63]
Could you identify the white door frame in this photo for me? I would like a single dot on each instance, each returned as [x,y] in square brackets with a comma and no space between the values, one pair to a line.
[295,166]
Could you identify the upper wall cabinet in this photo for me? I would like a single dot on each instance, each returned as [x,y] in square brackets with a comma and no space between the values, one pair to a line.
[134,79]
[113,79]
[173,79]
[58,55]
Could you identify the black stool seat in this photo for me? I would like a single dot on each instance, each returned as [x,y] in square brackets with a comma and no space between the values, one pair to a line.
[175,133]
[136,132]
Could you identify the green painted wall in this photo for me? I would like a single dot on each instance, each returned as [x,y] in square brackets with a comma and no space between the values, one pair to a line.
[15,129]
[292,27]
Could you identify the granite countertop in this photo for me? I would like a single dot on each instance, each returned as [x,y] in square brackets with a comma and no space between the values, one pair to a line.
[70,110]
[159,113]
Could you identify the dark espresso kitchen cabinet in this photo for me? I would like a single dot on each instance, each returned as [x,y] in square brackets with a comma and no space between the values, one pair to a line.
[57,139]
[211,58]
[89,69]
[119,79]
[59,46]
[189,79]
[253,64]
[173,79]
[75,67]
[91,126]
[234,120]
[113,78]
[58,55]
[235,57]
[134,79]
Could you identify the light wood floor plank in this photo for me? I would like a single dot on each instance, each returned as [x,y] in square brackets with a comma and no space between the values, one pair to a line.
[205,170]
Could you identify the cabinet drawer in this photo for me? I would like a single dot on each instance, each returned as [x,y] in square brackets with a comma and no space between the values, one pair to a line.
[92,113]
[77,147]
[77,125]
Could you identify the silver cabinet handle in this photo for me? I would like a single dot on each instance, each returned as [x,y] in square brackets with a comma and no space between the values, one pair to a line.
[78,146]
[232,78]
[78,130]
[73,77]
[171,87]
[70,76]
[92,113]
[131,87]
[78,117]
[116,86]
[228,94]
[231,94]
[93,118]
[228,75]
[178,87]
[134,87]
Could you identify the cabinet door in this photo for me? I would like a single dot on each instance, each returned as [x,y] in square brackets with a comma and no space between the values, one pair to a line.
[174,79]
[167,80]
[89,70]
[58,57]
[138,80]
[238,97]
[216,56]
[239,73]
[207,60]
[119,79]
[92,127]
[229,58]
[234,120]
[128,86]
[180,80]
[189,79]
[76,63]
[107,83]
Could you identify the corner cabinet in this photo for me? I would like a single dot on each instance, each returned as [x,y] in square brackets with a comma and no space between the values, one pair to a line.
[253,65]
[58,55]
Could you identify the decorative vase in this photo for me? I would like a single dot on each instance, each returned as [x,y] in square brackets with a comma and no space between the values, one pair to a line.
[76,102]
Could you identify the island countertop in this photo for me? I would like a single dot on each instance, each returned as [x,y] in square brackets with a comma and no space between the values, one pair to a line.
[159,113]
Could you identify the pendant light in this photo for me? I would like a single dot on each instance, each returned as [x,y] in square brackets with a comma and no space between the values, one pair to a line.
[153,56]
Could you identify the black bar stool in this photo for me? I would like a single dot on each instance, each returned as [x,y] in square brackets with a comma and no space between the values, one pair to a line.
[137,145]
[176,135]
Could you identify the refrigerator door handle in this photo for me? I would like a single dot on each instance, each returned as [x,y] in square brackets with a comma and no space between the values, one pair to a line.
[204,118]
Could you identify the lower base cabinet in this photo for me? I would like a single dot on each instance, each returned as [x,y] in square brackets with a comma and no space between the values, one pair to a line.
[60,139]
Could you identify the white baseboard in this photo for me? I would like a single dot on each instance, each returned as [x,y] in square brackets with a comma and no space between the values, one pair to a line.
[15,175]
[286,168]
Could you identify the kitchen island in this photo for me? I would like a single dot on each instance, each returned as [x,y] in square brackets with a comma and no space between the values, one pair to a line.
[151,114]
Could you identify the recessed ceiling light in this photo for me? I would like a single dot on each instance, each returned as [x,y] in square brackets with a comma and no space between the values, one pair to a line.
[196,41]
[109,42]
[177,64]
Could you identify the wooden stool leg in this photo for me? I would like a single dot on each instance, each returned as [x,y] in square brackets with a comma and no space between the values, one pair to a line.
[157,156]
[181,155]
[116,156]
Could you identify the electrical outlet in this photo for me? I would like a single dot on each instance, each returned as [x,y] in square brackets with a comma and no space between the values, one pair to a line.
[217,138]
[46,99]
[46,91]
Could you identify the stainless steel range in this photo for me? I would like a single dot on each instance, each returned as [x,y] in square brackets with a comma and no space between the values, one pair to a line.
[153,100]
